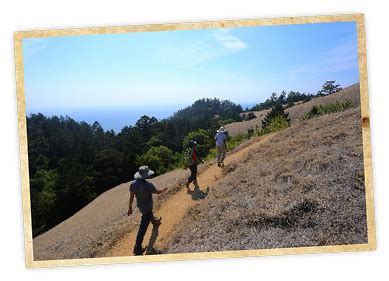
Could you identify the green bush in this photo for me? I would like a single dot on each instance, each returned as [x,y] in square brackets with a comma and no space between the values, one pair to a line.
[204,141]
[223,122]
[328,109]
[275,124]
[277,110]
[160,159]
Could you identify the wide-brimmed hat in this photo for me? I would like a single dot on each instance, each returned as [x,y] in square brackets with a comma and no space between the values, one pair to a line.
[192,143]
[221,130]
[143,173]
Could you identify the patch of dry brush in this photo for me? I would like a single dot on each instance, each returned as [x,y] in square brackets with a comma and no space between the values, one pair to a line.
[305,187]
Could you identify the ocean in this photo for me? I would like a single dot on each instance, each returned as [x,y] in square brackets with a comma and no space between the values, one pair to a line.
[113,118]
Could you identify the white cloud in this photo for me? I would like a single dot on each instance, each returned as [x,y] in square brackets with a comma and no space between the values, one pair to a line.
[220,43]
[229,42]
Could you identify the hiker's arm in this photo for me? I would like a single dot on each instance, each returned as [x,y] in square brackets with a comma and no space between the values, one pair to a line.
[159,191]
[130,201]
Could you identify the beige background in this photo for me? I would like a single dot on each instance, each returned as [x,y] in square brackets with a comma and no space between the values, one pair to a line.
[358,18]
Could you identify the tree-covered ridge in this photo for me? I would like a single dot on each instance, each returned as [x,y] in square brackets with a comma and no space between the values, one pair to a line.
[283,98]
[328,88]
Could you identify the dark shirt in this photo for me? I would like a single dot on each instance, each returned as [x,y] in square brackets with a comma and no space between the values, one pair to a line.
[144,195]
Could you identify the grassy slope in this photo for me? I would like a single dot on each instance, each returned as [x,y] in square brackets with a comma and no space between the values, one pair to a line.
[296,112]
[303,188]
[99,224]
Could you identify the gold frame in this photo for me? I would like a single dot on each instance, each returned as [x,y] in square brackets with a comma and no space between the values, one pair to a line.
[358,18]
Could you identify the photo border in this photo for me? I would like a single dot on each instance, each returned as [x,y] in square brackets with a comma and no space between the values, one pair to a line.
[365,121]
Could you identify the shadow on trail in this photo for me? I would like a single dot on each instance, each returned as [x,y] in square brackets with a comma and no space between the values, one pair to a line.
[197,193]
[150,247]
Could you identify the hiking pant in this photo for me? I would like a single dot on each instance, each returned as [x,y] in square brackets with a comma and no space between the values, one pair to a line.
[144,224]
[193,173]
[221,153]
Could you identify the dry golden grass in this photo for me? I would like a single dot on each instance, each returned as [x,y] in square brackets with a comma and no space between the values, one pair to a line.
[305,187]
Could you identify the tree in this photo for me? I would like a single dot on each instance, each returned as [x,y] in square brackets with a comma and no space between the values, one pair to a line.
[204,141]
[277,110]
[107,169]
[147,125]
[160,159]
[282,97]
[329,88]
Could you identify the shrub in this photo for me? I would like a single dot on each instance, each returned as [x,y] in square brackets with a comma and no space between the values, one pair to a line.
[160,159]
[249,116]
[277,110]
[204,141]
[277,123]
[328,109]
[223,122]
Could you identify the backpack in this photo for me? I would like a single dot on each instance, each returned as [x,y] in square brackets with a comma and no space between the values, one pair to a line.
[188,161]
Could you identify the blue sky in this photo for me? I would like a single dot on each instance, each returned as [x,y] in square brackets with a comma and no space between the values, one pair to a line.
[244,65]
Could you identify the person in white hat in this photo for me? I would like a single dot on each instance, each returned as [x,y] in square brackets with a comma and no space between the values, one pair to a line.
[221,145]
[143,191]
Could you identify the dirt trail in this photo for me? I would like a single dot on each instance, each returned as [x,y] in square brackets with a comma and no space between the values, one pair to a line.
[173,210]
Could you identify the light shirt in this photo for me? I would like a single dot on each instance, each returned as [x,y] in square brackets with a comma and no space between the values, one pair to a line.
[219,138]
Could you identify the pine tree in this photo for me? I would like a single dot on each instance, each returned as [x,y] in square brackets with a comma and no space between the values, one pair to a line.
[277,110]
[329,88]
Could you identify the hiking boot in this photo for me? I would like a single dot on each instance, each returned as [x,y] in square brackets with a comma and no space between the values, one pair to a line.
[187,185]
[156,222]
[139,251]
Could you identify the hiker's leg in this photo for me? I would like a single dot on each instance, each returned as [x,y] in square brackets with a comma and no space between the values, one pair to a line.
[223,153]
[144,223]
[218,155]
[193,172]
[155,221]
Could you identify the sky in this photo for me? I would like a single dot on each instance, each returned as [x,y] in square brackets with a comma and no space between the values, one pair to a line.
[172,68]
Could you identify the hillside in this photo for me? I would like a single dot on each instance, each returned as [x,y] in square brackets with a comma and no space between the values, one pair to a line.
[93,229]
[102,228]
[298,111]
[304,187]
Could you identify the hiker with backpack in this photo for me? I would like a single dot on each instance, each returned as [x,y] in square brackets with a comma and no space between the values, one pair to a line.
[221,145]
[192,159]
[143,190]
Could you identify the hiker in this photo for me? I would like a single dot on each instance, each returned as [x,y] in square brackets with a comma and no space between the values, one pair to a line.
[193,159]
[143,190]
[221,145]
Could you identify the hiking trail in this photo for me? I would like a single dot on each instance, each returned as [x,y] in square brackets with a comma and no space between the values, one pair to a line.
[176,207]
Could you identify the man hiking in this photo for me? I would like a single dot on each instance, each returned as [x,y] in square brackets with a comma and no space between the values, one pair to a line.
[192,163]
[143,191]
[221,145]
